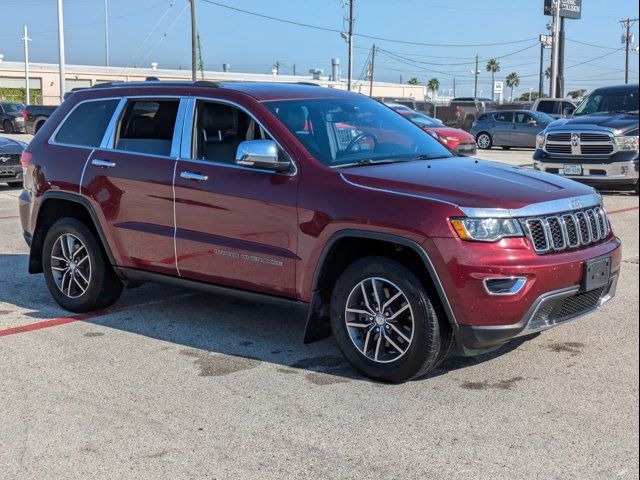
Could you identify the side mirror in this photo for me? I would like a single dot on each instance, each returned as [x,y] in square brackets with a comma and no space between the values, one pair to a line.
[533,123]
[262,154]
[568,111]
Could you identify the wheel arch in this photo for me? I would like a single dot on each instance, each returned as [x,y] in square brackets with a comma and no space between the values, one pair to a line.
[336,257]
[56,205]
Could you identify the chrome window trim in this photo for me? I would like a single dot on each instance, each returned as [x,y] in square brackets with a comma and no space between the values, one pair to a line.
[187,132]
[52,141]
[537,209]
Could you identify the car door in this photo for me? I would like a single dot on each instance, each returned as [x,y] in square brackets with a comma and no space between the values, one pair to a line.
[235,226]
[503,127]
[129,180]
[525,129]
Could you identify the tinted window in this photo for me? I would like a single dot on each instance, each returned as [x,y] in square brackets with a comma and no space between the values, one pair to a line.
[483,118]
[610,101]
[543,117]
[346,131]
[87,123]
[522,117]
[147,126]
[546,107]
[504,117]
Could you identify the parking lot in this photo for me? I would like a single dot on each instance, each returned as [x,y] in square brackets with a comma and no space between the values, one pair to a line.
[175,384]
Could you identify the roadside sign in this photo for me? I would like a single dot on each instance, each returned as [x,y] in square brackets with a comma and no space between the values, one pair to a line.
[498,87]
[568,8]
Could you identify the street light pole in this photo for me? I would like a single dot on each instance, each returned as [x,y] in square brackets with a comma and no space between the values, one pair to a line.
[61,49]
[26,41]
[627,41]
[541,80]
[106,33]
[194,41]
[475,78]
[556,42]
[350,40]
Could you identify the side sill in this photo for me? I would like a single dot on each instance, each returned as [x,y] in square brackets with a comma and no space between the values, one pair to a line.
[135,276]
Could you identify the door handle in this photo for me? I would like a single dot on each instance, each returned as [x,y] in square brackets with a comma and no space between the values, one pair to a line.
[194,176]
[102,163]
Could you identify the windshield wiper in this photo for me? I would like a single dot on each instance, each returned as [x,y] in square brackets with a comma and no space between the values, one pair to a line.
[367,161]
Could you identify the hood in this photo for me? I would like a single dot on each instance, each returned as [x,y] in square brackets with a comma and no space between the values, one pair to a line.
[450,132]
[7,145]
[467,182]
[620,121]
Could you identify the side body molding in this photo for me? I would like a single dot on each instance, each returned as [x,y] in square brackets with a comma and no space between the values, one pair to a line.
[318,326]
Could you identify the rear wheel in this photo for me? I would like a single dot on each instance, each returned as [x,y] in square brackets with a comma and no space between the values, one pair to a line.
[76,270]
[7,126]
[384,321]
[484,141]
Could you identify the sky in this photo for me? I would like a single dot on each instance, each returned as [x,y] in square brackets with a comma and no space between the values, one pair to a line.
[433,38]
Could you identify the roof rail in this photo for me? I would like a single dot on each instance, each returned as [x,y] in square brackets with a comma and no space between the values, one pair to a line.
[153,82]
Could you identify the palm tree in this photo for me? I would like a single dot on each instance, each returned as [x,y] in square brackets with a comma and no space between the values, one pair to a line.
[414,81]
[493,67]
[513,80]
[433,85]
[547,72]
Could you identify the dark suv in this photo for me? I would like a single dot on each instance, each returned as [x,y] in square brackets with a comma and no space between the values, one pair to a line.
[313,197]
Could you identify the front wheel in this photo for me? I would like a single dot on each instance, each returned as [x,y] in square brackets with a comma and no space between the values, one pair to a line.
[77,272]
[384,321]
[7,126]
[483,141]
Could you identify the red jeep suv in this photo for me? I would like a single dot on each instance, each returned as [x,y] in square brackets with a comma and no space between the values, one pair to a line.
[314,197]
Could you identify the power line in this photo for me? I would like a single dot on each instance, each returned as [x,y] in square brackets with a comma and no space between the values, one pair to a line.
[361,35]
[164,35]
[591,44]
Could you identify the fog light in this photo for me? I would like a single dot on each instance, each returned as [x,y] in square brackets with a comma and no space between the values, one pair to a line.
[504,285]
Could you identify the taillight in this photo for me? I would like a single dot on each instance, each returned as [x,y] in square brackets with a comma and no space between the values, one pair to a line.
[24,114]
[459,111]
[25,158]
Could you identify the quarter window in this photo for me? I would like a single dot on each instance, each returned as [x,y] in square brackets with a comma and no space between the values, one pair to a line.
[147,126]
[87,123]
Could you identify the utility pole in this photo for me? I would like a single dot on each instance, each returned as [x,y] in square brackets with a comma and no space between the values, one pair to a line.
[294,69]
[454,87]
[476,72]
[541,80]
[556,42]
[106,33]
[627,40]
[560,74]
[194,41]
[61,49]
[277,68]
[26,41]
[373,60]
[350,40]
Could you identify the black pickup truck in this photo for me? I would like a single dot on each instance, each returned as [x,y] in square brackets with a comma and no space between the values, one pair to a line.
[598,144]
[463,111]
[36,115]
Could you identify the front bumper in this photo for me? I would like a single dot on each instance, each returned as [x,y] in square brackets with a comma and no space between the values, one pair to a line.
[549,310]
[466,149]
[594,173]
[10,173]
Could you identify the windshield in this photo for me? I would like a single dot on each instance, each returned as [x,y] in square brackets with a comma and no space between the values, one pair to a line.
[621,101]
[424,121]
[13,107]
[543,117]
[351,131]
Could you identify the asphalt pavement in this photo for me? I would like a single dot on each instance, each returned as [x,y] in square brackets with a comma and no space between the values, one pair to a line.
[177,384]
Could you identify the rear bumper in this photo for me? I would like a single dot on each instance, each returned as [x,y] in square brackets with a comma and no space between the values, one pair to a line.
[549,310]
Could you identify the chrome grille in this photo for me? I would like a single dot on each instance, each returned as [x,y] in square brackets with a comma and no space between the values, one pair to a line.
[555,148]
[559,137]
[9,159]
[596,149]
[556,233]
[595,137]
[580,143]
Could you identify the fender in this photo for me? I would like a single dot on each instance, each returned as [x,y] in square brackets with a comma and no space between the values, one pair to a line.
[35,254]
[318,327]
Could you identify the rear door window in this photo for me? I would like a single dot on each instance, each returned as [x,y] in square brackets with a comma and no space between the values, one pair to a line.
[522,117]
[147,126]
[87,123]
[504,117]
[548,106]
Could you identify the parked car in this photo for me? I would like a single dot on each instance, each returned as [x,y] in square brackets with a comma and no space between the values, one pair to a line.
[417,105]
[598,145]
[10,167]
[463,111]
[555,107]
[315,198]
[11,117]
[36,115]
[508,129]
[455,139]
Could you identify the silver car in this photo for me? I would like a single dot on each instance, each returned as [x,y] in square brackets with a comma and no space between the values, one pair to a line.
[509,128]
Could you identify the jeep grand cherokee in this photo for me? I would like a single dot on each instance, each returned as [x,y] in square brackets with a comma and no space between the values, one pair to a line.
[317,198]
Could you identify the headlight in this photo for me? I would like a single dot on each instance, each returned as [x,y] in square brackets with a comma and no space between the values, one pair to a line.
[540,141]
[629,143]
[487,229]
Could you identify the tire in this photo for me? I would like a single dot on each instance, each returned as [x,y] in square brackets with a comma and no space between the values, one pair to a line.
[38,127]
[416,319]
[484,141]
[96,285]
[7,126]
[15,184]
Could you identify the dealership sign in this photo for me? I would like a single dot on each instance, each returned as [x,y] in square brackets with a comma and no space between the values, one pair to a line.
[568,8]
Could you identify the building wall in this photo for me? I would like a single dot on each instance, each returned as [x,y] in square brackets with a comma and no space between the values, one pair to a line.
[47,77]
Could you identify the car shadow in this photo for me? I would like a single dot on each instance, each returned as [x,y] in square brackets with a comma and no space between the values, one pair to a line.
[204,326]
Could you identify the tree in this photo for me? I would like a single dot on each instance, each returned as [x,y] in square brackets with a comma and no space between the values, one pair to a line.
[513,80]
[547,72]
[414,81]
[433,85]
[575,94]
[493,67]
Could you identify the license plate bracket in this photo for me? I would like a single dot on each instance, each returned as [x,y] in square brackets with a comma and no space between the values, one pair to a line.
[596,274]
[572,169]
